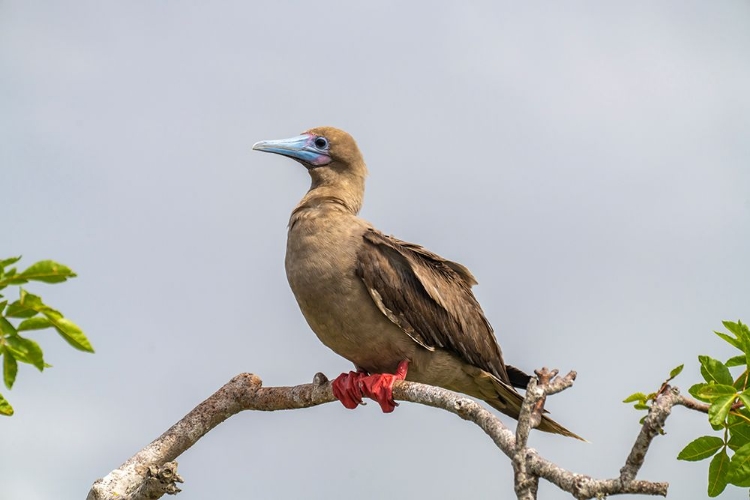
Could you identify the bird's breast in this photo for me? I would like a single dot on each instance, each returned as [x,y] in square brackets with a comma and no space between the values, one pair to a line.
[321,257]
[321,262]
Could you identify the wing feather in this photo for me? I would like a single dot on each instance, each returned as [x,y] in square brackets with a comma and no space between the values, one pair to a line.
[430,299]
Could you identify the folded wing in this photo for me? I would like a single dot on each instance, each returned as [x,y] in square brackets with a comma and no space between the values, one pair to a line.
[430,299]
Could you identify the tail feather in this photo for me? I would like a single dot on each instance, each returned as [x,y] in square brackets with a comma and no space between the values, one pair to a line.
[504,398]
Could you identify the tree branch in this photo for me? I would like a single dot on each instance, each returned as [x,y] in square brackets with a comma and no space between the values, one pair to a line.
[692,404]
[151,472]
[243,392]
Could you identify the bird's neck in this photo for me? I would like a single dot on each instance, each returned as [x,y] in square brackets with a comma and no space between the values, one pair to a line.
[341,190]
[324,202]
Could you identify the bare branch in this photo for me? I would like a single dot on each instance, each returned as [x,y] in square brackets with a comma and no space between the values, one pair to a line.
[243,392]
[532,410]
[526,485]
[694,404]
[584,487]
[652,425]
[151,472]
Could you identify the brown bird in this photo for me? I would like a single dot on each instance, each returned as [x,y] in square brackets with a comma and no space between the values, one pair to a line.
[392,308]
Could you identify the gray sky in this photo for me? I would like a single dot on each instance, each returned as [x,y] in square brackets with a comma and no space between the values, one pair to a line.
[589,162]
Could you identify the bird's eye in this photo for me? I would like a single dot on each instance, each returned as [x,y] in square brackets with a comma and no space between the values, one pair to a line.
[321,142]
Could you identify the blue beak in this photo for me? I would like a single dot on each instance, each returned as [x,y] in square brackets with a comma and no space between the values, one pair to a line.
[301,148]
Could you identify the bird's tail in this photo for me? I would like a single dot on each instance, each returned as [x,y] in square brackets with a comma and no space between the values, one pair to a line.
[508,401]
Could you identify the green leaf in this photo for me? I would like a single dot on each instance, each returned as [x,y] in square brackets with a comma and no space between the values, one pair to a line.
[676,371]
[719,427]
[735,443]
[35,323]
[26,306]
[739,438]
[18,310]
[745,397]
[742,342]
[739,384]
[701,448]
[695,391]
[10,367]
[739,467]
[739,360]
[30,305]
[739,428]
[636,396]
[745,412]
[9,261]
[717,473]
[12,279]
[735,328]
[26,351]
[6,327]
[641,406]
[71,332]
[2,305]
[733,341]
[710,392]
[31,301]
[714,370]
[47,271]
[5,407]
[719,409]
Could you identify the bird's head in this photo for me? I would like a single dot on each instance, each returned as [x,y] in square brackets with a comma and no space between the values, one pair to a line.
[333,160]
[324,151]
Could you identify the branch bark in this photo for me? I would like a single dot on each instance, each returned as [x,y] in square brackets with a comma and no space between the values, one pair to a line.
[152,472]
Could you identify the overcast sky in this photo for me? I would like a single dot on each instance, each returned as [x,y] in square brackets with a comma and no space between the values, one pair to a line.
[589,162]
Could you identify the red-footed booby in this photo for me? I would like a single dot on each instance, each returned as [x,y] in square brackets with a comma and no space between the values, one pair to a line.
[394,309]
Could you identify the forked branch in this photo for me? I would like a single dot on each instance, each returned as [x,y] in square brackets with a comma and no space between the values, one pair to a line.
[151,472]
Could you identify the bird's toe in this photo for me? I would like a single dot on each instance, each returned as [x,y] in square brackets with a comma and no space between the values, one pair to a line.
[347,389]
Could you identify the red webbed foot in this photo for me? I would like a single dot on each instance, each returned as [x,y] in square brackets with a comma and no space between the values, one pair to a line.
[350,388]
[380,386]
[347,388]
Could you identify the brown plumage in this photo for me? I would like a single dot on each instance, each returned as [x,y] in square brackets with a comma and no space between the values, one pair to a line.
[377,300]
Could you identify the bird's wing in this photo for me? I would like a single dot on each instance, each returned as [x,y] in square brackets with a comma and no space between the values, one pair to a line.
[430,299]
